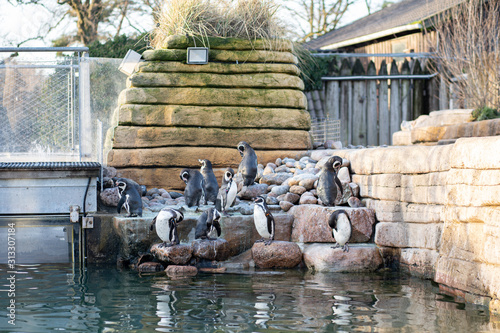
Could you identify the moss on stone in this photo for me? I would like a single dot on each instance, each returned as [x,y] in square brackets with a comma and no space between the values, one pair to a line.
[225,43]
[216,67]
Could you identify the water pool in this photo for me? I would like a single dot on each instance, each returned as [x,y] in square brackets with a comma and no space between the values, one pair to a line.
[61,298]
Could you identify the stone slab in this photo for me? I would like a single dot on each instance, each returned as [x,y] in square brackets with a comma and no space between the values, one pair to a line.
[473,177]
[401,138]
[255,80]
[213,116]
[488,215]
[482,128]
[419,262]
[279,98]
[311,223]
[413,235]
[151,137]
[176,271]
[324,258]
[223,43]
[217,249]
[223,56]
[476,153]
[216,67]
[427,134]
[444,118]
[396,211]
[468,195]
[278,254]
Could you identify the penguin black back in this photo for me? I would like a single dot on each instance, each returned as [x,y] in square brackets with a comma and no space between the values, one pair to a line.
[328,181]
[341,226]
[211,184]
[227,192]
[130,197]
[206,222]
[248,164]
[194,191]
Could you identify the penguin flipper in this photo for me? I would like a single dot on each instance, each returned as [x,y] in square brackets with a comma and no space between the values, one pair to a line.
[173,228]
[120,204]
[339,183]
[153,223]
[270,224]
[217,227]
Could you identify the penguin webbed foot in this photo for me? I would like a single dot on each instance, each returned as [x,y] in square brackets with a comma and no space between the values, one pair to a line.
[260,240]
[268,242]
[345,248]
[164,244]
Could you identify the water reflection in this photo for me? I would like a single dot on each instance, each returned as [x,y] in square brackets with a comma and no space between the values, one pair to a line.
[52,297]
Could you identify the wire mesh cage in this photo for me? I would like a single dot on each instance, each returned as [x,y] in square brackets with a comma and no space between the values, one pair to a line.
[38,106]
[323,130]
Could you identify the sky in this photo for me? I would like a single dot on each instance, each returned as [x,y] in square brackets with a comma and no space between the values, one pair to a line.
[19,23]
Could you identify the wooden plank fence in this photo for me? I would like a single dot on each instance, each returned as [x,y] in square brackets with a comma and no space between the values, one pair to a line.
[372,106]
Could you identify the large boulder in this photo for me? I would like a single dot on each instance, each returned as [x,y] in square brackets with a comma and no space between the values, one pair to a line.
[278,254]
[177,254]
[217,249]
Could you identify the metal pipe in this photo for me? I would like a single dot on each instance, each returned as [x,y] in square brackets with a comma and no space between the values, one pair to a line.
[44,49]
[387,55]
[38,66]
[378,77]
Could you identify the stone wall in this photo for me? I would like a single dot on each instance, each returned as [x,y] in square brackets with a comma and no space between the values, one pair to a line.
[438,211]
[173,114]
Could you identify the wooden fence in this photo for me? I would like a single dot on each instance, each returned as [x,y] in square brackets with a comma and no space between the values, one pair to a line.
[371,103]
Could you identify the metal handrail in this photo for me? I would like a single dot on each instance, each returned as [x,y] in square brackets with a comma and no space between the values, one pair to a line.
[379,77]
[44,49]
[387,55]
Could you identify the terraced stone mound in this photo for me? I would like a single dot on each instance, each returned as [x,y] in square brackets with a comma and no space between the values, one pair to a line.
[173,113]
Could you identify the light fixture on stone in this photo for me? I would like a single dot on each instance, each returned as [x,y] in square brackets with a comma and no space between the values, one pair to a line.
[131,59]
[197,55]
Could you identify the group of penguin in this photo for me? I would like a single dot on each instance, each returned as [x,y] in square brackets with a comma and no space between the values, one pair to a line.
[202,187]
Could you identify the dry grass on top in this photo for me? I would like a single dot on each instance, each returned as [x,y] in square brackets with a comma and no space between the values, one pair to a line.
[246,19]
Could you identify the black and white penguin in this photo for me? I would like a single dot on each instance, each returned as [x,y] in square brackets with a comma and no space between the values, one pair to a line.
[130,199]
[227,192]
[328,181]
[166,226]
[341,228]
[248,164]
[264,220]
[211,184]
[194,191]
[207,223]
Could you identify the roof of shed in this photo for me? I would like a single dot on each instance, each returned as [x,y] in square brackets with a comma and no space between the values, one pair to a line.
[404,15]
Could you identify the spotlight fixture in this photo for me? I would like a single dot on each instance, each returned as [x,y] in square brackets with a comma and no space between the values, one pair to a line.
[197,55]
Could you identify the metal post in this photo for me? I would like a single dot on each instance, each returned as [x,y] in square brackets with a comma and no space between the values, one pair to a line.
[85,127]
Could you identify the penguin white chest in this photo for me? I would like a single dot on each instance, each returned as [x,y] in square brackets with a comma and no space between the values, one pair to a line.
[231,195]
[260,220]
[163,227]
[343,232]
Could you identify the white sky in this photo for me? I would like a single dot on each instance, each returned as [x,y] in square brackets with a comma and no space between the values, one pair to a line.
[18,23]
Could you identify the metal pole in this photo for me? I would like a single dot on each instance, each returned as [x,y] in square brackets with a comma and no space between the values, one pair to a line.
[85,127]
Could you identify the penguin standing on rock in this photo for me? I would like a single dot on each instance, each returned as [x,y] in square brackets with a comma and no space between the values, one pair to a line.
[166,226]
[130,199]
[328,181]
[211,185]
[227,192]
[248,164]
[264,220]
[207,223]
[194,191]
[341,228]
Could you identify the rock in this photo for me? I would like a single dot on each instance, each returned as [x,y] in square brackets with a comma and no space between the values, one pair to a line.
[150,267]
[296,189]
[282,168]
[110,196]
[253,191]
[308,184]
[360,258]
[354,202]
[260,171]
[291,197]
[278,162]
[152,192]
[354,189]
[109,172]
[178,254]
[166,195]
[330,144]
[178,271]
[278,254]
[275,178]
[343,175]
[217,249]
[279,190]
[272,200]
[307,159]
[107,182]
[311,224]
[343,197]
[285,205]
[267,170]
[175,195]
[308,199]
[297,179]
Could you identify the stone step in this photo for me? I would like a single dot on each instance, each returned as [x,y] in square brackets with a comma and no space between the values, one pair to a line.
[224,43]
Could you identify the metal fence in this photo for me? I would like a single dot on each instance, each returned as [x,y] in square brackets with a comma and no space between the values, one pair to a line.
[325,130]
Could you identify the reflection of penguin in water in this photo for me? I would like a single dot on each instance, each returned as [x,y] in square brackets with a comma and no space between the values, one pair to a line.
[227,192]
[328,181]
[166,226]
[194,191]
[211,185]
[264,220]
[207,222]
[341,228]
[248,164]
[130,199]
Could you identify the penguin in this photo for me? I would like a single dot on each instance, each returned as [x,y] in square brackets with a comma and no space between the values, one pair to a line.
[130,199]
[248,164]
[328,181]
[194,191]
[227,192]
[264,220]
[166,226]
[211,184]
[207,222]
[341,226]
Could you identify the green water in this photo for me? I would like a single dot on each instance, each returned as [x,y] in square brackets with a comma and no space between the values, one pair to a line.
[58,298]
